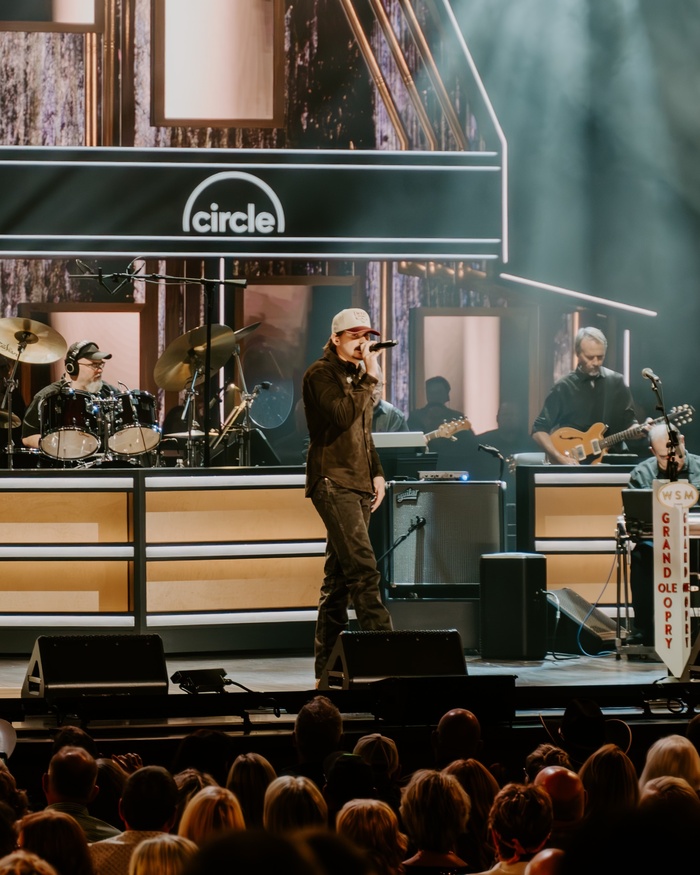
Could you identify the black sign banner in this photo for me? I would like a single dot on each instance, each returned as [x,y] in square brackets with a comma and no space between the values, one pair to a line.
[61,202]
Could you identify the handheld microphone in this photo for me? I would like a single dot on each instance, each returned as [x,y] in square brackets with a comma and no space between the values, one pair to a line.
[492,451]
[382,344]
[648,374]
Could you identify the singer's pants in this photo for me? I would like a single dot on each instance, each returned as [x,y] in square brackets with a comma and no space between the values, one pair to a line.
[350,572]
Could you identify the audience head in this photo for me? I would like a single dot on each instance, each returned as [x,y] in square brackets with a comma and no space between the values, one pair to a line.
[566,791]
[161,855]
[25,863]
[520,821]
[17,800]
[373,827]
[434,810]
[149,801]
[478,783]
[74,736]
[207,750]
[57,838]
[347,777]
[610,781]
[317,729]
[380,753]
[458,736]
[675,756]
[674,797]
[111,780]
[437,390]
[292,803]
[72,776]
[584,728]
[250,776]
[333,854]
[210,811]
[189,782]
[545,755]
[255,851]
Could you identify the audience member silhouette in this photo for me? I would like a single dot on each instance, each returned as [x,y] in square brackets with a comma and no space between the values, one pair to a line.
[382,756]
[548,861]
[164,854]
[8,834]
[457,737]
[189,782]
[293,802]
[249,777]
[434,812]
[17,799]
[545,755]
[334,854]
[148,807]
[565,789]
[374,827]
[57,838]
[70,785]
[348,777]
[23,862]
[207,750]
[675,798]
[610,781]
[111,779]
[674,756]
[475,844]
[318,729]
[74,736]
[583,729]
[211,811]
[255,852]
[520,822]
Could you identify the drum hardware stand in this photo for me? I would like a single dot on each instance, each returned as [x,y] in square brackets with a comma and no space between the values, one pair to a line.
[622,553]
[188,416]
[208,287]
[245,428]
[11,384]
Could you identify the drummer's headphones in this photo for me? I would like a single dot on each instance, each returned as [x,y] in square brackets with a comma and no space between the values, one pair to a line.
[73,354]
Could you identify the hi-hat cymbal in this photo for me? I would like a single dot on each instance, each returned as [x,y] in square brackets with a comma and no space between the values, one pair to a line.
[42,344]
[4,416]
[175,368]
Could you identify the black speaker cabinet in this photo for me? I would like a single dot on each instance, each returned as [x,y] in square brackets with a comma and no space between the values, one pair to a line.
[361,656]
[575,626]
[70,666]
[513,621]
[461,520]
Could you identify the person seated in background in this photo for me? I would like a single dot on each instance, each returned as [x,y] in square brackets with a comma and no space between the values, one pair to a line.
[385,417]
[250,776]
[642,556]
[457,737]
[318,729]
[435,411]
[57,838]
[511,435]
[458,452]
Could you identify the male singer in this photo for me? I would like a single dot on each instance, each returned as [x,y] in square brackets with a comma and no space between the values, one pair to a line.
[344,477]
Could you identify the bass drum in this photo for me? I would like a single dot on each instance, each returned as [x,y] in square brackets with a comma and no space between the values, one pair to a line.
[134,426]
[70,425]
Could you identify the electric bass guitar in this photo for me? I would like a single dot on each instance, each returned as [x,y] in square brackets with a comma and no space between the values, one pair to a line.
[449,429]
[589,447]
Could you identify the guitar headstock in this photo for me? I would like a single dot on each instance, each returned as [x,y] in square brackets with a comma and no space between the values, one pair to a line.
[682,414]
[447,429]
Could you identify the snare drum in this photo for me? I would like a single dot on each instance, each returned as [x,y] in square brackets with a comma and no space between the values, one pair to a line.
[70,425]
[134,426]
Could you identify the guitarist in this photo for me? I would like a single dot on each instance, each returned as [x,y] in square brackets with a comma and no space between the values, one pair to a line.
[454,454]
[588,395]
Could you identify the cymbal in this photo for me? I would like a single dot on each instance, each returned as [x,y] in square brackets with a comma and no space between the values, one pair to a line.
[4,416]
[43,343]
[248,329]
[174,369]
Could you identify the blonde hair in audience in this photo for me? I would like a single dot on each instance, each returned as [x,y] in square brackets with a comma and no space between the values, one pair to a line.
[161,855]
[209,812]
[25,863]
[674,756]
[249,777]
[435,810]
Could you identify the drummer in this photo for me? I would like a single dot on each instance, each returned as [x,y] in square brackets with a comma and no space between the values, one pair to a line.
[84,365]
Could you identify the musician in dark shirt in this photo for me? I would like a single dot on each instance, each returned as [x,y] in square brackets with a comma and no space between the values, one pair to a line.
[642,558]
[591,394]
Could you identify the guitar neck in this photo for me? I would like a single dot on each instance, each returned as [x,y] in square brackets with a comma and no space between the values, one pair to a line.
[634,431]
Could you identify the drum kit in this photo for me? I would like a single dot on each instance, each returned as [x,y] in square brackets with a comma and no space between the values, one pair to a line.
[84,430]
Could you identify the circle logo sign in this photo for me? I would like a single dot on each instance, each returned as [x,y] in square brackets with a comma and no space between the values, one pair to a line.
[233,202]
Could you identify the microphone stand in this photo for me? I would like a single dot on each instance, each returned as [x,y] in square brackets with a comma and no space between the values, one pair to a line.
[672,445]
[418,523]
[10,385]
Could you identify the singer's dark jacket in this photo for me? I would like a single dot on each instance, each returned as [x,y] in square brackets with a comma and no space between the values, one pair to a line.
[574,402]
[338,405]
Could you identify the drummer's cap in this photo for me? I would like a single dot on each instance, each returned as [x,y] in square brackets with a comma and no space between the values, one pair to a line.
[87,349]
[352,319]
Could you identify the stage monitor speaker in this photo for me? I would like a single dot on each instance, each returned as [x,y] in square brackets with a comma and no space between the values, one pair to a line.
[462,520]
[513,618]
[72,666]
[362,656]
[569,612]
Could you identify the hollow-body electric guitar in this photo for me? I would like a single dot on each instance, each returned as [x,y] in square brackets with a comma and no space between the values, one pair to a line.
[589,447]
